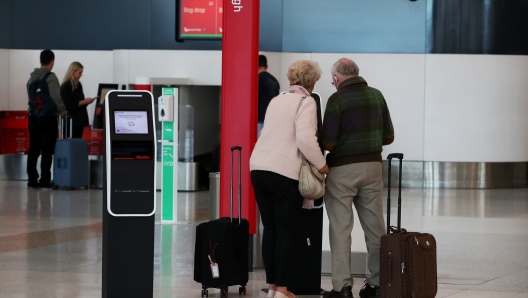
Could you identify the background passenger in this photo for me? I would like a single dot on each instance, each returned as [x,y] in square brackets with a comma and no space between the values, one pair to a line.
[43,132]
[268,88]
[72,95]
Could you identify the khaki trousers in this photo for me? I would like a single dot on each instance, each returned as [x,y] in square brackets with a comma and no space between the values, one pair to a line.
[359,184]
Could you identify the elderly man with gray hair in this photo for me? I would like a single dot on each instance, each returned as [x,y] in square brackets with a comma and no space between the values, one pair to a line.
[356,125]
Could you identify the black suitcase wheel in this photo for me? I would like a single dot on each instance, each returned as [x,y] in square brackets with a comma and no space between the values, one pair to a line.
[205,293]
[224,293]
[242,290]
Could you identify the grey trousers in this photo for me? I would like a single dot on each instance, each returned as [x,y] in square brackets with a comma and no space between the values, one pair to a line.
[359,184]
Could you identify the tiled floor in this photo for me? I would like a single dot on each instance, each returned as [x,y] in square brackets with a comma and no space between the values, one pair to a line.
[50,243]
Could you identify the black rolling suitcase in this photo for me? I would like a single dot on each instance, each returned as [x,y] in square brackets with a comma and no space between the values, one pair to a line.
[305,273]
[221,248]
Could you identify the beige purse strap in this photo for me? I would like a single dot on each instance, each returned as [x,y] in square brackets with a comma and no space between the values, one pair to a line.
[300,103]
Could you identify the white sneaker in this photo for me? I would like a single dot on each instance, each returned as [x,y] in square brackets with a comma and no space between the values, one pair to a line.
[271,294]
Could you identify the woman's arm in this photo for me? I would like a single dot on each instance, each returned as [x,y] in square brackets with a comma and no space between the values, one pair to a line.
[306,139]
[86,101]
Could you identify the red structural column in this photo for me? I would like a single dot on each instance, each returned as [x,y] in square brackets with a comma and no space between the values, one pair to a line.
[240,44]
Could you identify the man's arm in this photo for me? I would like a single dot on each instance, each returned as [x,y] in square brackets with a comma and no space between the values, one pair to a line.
[54,89]
[388,129]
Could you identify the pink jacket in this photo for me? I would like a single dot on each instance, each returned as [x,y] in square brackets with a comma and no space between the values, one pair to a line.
[286,133]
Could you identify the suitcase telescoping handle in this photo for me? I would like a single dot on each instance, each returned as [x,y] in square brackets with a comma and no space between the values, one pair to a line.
[390,157]
[63,129]
[234,148]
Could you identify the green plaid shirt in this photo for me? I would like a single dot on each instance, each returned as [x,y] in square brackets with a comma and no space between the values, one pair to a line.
[356,124]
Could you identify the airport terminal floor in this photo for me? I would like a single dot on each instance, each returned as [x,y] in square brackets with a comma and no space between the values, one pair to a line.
[50,243]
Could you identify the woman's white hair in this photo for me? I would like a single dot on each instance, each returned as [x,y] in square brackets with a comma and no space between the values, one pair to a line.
[304,73]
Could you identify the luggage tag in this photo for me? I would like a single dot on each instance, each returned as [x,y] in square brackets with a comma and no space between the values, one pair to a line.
[215,270]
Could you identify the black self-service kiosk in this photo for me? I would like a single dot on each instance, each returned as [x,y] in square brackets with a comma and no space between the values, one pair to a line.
[129,194]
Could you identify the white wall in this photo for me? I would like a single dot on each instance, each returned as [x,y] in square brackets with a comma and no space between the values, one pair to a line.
[98,68]
[200,67]
[121,67]
[476,108]
[4,79]
[444,107]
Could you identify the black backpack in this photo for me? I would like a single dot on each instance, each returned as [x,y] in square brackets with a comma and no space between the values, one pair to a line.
[40,103]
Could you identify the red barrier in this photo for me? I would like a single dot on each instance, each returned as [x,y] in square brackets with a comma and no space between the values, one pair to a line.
[94,139]
[14,133]
[143,83]
[143,87]
[239,101]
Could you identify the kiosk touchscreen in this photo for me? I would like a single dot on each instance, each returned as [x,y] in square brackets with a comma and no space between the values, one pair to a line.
[131,149]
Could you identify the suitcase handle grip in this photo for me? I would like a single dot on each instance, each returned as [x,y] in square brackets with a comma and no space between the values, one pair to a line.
[395,155]
[236,148]
[394,229]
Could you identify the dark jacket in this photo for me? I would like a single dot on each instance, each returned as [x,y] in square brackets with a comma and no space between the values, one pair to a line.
[356,124]
[71,99]
[268,88]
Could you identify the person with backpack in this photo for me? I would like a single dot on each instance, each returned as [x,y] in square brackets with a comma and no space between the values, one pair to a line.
[45,105]
[72,95]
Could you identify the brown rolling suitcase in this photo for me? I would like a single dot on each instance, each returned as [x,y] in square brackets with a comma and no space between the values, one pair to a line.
[407,259]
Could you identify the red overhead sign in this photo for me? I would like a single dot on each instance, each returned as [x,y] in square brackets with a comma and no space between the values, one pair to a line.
[200,19]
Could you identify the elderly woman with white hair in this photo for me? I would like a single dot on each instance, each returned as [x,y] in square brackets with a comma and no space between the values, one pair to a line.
[290,127]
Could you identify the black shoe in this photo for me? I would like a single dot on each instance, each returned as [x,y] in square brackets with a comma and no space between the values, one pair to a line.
[46,185]
[345,292]
[33,184]
[369,291]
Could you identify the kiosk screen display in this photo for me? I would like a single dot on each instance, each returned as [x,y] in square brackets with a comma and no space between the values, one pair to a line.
[131,122]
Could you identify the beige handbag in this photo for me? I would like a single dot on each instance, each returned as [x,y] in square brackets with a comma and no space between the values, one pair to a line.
[311,182]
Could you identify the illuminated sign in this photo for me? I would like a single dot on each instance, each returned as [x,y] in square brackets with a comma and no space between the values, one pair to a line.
[199,19]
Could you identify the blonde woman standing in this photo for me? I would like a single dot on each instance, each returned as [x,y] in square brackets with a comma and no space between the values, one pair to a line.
[290,127]
[73,97]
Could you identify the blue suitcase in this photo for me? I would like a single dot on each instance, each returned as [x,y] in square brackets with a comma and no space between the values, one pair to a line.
[70,164]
